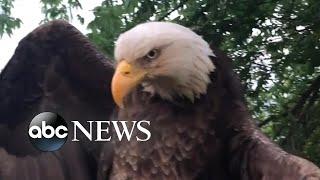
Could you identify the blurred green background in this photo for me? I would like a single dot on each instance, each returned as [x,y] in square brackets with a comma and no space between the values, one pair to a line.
[274,45]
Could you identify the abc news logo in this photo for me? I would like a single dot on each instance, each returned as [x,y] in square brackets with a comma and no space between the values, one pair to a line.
[49,132]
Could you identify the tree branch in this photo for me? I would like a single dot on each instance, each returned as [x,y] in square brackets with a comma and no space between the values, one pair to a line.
[313,88]
[172,10]
[308,95]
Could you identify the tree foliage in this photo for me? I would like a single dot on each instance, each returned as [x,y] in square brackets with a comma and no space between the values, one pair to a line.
[7,23]
[274,45]
[59,9]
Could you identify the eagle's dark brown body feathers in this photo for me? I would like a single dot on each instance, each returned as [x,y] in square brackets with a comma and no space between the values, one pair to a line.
[56,69]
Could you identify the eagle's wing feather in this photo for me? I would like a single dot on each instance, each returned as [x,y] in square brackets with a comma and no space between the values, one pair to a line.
[251,154]
[254,156]
[264,160]
[54,68]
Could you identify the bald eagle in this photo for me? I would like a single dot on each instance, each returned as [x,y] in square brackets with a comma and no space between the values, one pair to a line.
[165,73]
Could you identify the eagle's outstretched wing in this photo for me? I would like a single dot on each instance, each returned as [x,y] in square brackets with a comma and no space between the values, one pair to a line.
[54,68]
[251,154]
[254,156]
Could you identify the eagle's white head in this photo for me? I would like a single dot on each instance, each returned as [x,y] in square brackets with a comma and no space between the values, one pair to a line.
[165,58]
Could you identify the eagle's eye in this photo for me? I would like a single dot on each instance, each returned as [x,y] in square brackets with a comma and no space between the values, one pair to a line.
[152,54]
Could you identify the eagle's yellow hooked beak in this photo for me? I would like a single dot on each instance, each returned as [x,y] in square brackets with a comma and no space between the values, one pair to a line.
[125,78]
